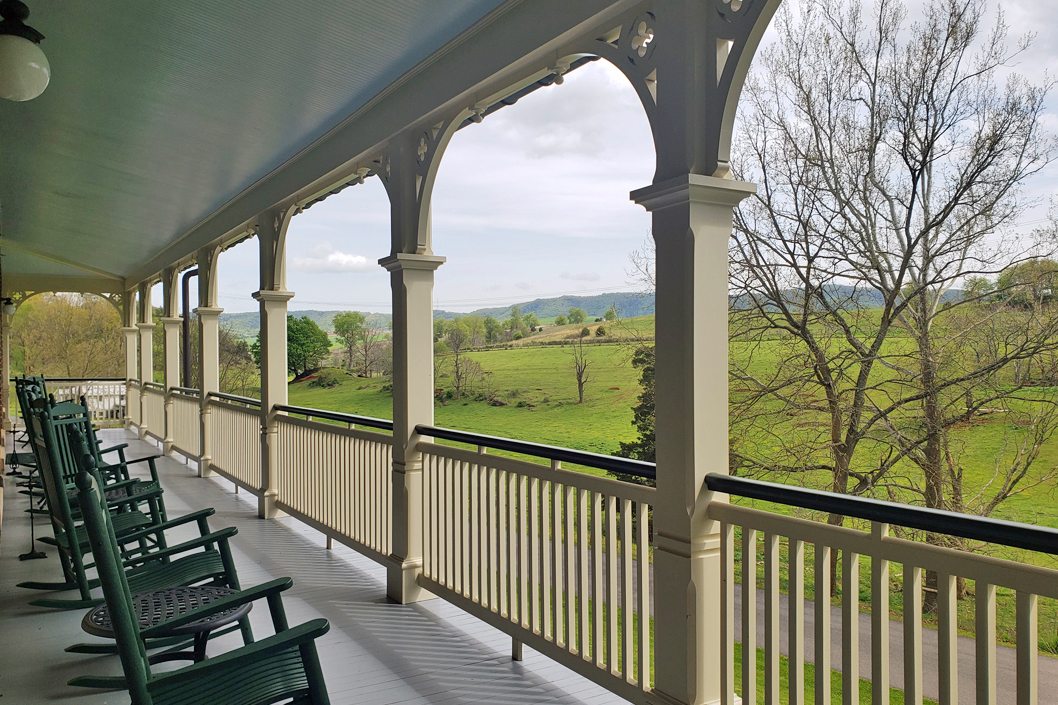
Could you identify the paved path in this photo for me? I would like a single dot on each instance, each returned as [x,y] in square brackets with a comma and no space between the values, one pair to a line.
[1006,663]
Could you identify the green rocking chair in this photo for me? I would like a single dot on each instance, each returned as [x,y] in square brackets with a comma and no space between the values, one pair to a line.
[282,666]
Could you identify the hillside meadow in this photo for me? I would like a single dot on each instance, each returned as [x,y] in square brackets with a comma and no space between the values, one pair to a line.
[534,379]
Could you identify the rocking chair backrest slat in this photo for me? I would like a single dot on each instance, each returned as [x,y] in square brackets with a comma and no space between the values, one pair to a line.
[112,577]
[49,462]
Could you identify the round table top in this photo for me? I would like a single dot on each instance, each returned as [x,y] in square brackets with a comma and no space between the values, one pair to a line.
[156,606]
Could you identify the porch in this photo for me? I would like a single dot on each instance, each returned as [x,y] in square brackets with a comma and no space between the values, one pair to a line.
[377,651]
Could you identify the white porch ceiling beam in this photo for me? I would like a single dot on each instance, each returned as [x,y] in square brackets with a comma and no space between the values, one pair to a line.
[508,42]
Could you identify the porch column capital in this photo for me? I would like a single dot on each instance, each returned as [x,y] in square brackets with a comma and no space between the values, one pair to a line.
[693,189]
[129,330]
[208,312]
[402,261]
[171,321]
[145,327]
[268,296]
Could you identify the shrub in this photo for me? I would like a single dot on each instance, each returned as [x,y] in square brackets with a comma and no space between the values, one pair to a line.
[518,336]
[328,378]
[585,332]
[600,332]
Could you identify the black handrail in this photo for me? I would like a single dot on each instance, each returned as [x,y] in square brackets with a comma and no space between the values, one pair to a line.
[154,385]
[337,416]
[186,390]
[77,379]
[637,468]
[938,521]
[236,398]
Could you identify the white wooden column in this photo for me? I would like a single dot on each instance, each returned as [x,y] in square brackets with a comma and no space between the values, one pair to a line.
[171,323]
[408,169]
[273,297]
[208,351]
[128,320]
[691,224]
[146,331]
[688,60]
[411,278]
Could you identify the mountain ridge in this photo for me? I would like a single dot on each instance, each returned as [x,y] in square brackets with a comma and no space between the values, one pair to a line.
[246,324]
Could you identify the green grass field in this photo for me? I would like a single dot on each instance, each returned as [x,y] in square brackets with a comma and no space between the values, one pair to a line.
[534,378]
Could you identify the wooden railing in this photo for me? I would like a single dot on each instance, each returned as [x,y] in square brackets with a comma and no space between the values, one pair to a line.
[1027,582]
[132,398]
[336,478]
[184,421]
[236,432]
[105,397]
[559,560]
[154,410]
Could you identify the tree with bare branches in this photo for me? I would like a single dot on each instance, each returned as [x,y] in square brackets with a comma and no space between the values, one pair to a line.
[890,162]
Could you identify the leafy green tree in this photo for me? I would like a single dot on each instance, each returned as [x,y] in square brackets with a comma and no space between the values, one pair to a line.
[439,325]
[530,320]
[515,322]
[1028,283]
[493,329]
[362,343]
[611,313]
[350,327]
[577,315]
[475,327]
[307,345]
[560,320]
[644,446]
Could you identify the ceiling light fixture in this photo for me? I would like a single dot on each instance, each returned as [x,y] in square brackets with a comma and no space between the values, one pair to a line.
[24,70]
[9,307]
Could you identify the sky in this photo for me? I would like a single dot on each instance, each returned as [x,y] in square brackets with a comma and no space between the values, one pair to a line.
[533,202]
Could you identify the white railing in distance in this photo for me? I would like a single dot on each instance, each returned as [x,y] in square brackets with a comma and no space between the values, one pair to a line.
[133,400]
[105,398]
[559,560]
[1027,582]
[337,479]
[184,423]
[236,432]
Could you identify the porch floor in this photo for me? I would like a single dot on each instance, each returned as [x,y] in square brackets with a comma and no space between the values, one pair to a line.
[375,652]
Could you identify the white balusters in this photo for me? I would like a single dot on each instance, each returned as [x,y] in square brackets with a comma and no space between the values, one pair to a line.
[566,555]
[795,556]
[985,642]
[1028,647]
[912,635]
[879,619]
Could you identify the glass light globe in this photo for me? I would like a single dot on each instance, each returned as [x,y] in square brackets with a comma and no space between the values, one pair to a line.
[9,309]
[24,70]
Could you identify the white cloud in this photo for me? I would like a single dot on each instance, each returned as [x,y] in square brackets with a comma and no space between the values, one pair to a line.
[580,276]
[524,286]
[324,258]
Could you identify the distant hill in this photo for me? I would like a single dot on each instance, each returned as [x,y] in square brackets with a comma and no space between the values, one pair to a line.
[246,325]
[628,304]
[847,295]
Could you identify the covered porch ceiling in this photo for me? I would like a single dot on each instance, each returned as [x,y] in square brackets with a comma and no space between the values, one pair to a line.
[168,124]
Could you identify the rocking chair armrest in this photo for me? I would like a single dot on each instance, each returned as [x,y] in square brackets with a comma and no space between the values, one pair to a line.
[144,458]
[121,484]
[111,449]
[257,592]
[227,665]
[138,498]
[165,526]
[221,536]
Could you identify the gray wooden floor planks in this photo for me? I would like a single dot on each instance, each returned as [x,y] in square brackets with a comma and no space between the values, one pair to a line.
[376,651]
